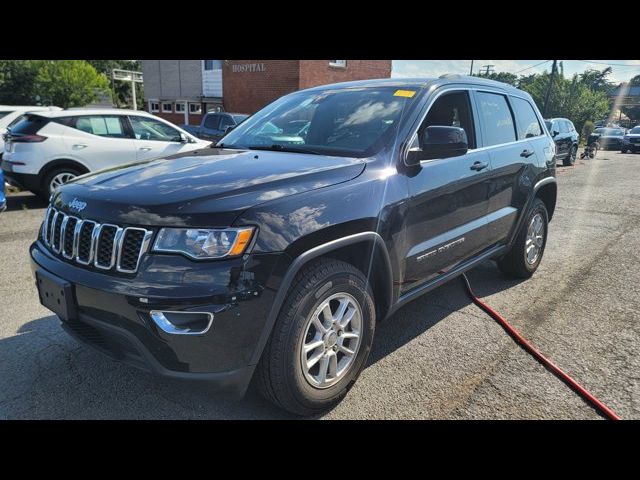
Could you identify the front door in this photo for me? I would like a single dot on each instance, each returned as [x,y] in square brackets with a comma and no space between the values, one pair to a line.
[154,138]
[446,221]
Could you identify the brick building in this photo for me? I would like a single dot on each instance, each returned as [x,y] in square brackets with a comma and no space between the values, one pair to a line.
[181,90]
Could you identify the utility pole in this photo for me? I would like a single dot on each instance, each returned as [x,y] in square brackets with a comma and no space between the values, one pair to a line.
[128,76]
[488,69]
[546,97]
[471,69]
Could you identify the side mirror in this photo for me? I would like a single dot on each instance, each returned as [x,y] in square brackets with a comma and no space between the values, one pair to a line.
[439,142]
[184,138]
[555,133]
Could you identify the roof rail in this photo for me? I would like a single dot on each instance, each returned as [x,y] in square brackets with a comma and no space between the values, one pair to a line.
[450,75]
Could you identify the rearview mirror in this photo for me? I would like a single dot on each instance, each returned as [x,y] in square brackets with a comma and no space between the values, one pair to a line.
[439,142]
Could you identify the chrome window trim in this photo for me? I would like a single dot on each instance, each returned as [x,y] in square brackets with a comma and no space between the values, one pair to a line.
[143,248]
[114,248]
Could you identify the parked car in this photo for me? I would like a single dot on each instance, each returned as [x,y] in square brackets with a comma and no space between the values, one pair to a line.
[565,137]
[609,138]
[10,113]
[3,199]
[273,260]
[631,141]
[215,124]
[44,150]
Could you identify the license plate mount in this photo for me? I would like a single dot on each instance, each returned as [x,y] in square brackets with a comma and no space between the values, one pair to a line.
[57,295]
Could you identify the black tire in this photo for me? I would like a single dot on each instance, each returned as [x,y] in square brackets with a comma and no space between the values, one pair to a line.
[280,377]
[45,192]
[570,159]
[624,150]
[514,263]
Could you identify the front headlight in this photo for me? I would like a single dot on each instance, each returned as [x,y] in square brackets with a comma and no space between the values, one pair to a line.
[203,243]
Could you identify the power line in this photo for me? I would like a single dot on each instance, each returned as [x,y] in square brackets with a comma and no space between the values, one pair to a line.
[532,66]
[611,64]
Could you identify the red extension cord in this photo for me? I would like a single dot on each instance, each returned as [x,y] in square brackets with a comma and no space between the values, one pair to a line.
[606,411]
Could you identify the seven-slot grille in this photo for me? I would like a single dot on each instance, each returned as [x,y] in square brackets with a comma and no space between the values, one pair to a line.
[104,246]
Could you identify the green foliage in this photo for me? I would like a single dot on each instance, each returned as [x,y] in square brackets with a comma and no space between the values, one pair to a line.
[69,83]
[635,81]
[64,83]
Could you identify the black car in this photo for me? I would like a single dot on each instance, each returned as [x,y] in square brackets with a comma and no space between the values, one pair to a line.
[271,260]
[609,138]
[565,137]
[631,141]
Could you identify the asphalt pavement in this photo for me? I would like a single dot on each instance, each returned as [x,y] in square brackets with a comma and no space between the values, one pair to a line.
[439,357]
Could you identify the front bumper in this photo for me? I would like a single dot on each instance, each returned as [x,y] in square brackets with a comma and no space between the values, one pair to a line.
[113,313]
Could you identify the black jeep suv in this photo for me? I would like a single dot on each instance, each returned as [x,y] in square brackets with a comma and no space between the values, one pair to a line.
[271,257]
[566,139]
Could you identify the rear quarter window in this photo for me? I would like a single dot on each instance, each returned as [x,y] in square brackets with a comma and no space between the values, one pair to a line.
[526,118]
[28,124]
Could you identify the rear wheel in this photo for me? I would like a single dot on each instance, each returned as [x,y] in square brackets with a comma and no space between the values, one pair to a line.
[321,339]
[526,253]
[56,178]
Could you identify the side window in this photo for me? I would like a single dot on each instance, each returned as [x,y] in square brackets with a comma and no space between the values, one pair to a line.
[212,122]
[496,118]
[225,122]
[528,124]
[452,110]
[109,126]
[145,128]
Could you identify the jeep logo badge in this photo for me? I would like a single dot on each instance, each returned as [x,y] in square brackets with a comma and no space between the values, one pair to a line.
[77,205]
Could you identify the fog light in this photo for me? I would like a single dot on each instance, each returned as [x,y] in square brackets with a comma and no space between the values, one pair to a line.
[182,323]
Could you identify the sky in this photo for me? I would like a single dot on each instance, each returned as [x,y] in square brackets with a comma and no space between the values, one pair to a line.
[623,70]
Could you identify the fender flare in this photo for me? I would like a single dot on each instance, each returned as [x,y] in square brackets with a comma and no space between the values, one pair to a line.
[300,262]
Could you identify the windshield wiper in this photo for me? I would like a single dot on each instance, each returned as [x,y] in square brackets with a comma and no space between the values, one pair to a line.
[283,148]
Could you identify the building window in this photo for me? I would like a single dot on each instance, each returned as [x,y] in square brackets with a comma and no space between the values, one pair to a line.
[195,108]
[180,107]
[213,64]
[166,107]
[154,107]
[338,63]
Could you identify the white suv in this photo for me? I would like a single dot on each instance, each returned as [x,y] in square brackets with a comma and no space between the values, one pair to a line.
[9,113]
[43,150]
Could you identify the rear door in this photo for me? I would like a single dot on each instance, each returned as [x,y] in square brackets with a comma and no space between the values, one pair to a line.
[99,141]
[514,138]
[448,198]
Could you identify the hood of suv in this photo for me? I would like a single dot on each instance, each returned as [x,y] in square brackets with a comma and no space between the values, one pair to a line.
[207,187]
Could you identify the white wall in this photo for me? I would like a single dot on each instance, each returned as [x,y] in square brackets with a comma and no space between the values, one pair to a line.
[211,82]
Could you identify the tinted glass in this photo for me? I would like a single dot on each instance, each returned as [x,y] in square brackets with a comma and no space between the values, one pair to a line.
[348,122]
[452,110]
[635,130]
[240,118]
[528,124]
[28,124]
[549,126]
[103,126]
[145,128]
[212,122]
[496,117]
[4,113]
[226,121]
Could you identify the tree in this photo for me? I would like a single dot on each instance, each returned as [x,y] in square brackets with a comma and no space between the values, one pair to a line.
[69,83]
[17,81]
[635,81]
[597,80]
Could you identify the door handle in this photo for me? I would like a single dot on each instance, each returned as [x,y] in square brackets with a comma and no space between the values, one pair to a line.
[145,149]
[527,153]
[80,145]
[477,166]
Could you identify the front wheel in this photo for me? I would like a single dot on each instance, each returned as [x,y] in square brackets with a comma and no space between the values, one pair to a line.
[526,253]
[321,339]
[570,159]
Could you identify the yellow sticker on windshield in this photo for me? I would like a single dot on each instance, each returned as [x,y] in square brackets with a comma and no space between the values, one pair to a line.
[404,93]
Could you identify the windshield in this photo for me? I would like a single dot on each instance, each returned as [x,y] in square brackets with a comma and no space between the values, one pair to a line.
[343,122]
[612,132]
[635,130]
[548,124]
